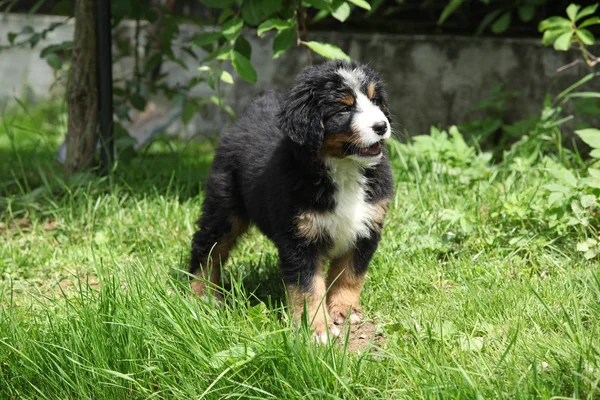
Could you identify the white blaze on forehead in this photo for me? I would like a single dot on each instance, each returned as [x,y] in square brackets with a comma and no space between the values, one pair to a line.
[354,78]
[367,114]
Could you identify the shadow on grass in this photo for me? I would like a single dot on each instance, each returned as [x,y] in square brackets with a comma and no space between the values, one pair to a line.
[30,176]
[259,282]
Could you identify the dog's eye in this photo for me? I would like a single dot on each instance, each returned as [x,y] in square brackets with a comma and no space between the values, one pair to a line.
[345,109]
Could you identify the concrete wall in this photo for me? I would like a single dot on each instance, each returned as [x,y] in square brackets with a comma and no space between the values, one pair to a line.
[430,79]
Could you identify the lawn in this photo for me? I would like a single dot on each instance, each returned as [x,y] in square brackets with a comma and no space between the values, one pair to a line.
[481,287]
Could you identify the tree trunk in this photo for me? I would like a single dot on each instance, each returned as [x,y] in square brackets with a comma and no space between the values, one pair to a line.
[82,101]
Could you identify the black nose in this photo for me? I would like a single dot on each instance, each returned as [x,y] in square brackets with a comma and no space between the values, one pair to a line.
[380,128]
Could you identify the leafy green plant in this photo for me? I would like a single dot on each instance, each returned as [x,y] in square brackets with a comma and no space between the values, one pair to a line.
[158,38]
[493,131]
[564,32]
[498,20]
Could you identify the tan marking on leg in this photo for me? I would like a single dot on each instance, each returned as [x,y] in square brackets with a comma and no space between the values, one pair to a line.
[378,212]
[345,286]
[210,270]
[315,305]
[371,90]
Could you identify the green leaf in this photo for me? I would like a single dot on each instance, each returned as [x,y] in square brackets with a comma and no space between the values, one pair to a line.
[589,22]
[585,36]
[589,10]
[474,344]
[563,42]
[217,53]
[274,23]
[319,4]
[588,200]
[252,12]
[327,50]
[216,3]
[138,101]
[54,61]
[556,187]
[564,175]
[553,23]
[243,46]
[54,48]
[449,9]
[526,13]
[34,39]
[595,153]
[202,39]
[232,28]
[554,198]
[501,23]
[572,11]
[320,15]
[11,37]
[225,14]
[591,253]
[552,34]
[188,112]
[447,329]
[583,246]
[591,136]
[591,182]
[270,7]
[283,41]
[488,19]
[226,55]
[243,67]
[226,77]
[217,101]
[361,4]
[341,10]
[594,172]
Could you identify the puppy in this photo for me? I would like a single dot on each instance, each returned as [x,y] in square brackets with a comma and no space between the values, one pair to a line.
[310,170]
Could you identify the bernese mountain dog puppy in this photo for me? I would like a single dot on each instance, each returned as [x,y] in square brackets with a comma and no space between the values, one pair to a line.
[309,169]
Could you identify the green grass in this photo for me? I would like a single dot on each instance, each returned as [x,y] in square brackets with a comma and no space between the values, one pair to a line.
[477,293]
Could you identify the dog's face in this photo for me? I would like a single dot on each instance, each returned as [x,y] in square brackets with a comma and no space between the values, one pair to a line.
[338,110]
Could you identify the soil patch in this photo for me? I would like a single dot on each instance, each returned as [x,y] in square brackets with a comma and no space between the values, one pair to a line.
[362,337]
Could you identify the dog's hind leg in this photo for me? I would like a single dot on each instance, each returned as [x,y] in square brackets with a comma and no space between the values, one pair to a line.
[211,245]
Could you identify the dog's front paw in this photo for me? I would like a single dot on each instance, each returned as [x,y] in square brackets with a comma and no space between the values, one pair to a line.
[342,312]
[321,331]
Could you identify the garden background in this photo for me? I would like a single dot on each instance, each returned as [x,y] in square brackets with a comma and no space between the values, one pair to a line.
[486,283]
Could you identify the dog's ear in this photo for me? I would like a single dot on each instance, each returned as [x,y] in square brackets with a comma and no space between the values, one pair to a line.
[301,117]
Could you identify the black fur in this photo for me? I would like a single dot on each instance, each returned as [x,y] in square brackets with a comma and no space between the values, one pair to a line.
[267,169]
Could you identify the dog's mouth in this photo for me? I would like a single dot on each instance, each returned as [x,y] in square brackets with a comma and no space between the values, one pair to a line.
[369,151]
[372,150]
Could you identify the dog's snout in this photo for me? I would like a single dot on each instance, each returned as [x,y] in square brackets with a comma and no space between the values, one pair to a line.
[380,128]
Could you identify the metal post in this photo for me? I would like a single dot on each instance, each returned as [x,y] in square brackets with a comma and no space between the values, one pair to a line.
[105,82]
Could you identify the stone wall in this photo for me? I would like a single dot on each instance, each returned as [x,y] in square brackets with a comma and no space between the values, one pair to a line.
[430,79]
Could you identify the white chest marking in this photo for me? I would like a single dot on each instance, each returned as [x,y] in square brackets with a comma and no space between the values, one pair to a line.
[352,217]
